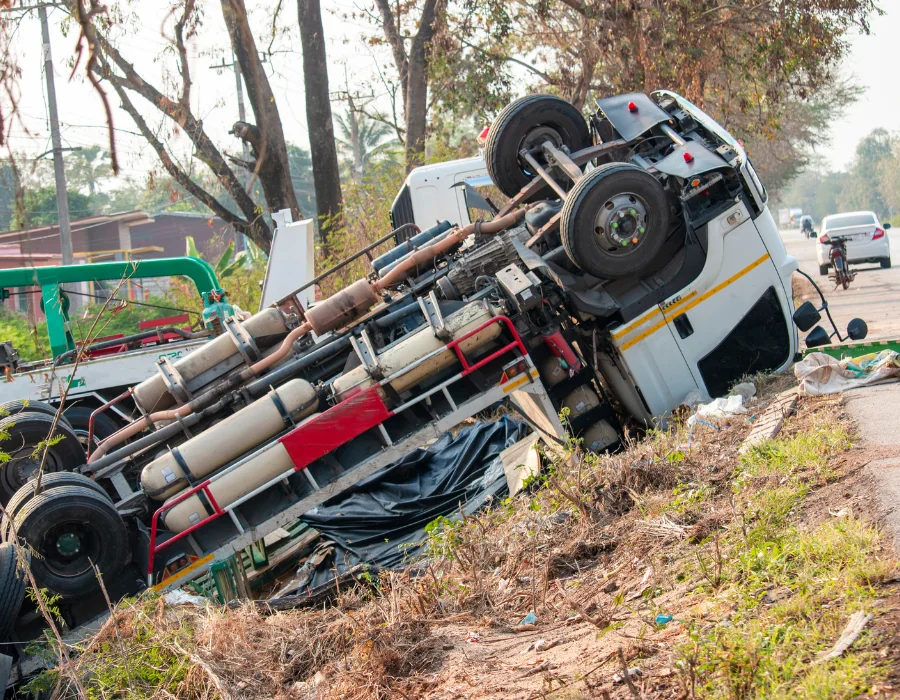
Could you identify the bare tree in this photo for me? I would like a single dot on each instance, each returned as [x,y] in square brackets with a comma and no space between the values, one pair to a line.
[412,66]
[326,175]
[266,137]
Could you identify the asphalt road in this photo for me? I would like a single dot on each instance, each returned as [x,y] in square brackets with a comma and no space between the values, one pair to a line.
[874,295]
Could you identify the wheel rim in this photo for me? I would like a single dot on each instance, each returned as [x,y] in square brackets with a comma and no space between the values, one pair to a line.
[622,224]
[23,466]
[68,548]
[82,436]
[532,142]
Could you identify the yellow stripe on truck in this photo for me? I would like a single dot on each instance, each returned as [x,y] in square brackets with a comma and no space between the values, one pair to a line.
[178,575]
[650,314]
[673,312]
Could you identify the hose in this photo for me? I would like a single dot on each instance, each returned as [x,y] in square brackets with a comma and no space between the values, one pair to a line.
[430,252]
[395,276]
[201,401]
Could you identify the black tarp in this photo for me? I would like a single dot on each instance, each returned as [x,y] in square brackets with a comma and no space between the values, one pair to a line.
[381,521]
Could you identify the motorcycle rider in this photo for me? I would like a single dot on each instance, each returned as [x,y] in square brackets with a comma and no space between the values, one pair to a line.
[806,226]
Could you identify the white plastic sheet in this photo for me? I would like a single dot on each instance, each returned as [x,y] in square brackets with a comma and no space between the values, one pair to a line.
[719,409]
[819,373]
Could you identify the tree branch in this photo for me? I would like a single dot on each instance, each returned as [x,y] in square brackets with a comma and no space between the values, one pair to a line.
[509,59]
[184,100]
[392,34]
[88,36]
[169,164]
[206,149]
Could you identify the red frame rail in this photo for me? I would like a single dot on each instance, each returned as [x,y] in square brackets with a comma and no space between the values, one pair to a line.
[101,409]
[516,343]
[217,512]
[331,429]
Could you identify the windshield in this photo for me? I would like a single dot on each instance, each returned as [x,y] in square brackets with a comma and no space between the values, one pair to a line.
[846,220]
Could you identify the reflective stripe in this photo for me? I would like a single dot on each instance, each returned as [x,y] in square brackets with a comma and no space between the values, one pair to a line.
[516,383]
[647,316]
[182,573]
[703,297]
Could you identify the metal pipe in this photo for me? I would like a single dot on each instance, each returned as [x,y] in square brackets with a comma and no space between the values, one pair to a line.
[121,397]
[394,316]
[385,269]
[430,252]
[543,173]
[672,134]
[287,370]
[345,261]
[150,440]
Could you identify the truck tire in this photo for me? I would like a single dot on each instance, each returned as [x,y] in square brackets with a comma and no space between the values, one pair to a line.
[26,430]
[528,122]
[68,528]
[13,408]
[79,418]
[12,589]
[615,221]
[48,482]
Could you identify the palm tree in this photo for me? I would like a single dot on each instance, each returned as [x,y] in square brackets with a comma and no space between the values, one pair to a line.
[362,140]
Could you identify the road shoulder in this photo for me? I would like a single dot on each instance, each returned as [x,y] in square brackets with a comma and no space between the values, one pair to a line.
[874,410]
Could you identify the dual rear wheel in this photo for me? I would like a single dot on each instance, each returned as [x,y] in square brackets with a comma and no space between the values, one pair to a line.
[73,530]
[615,219]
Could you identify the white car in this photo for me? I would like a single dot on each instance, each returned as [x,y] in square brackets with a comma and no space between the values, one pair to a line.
[867,241]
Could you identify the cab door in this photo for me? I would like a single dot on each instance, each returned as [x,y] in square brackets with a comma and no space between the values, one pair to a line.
[735,320]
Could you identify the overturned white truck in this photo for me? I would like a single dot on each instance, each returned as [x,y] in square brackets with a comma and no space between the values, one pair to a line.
[635,257]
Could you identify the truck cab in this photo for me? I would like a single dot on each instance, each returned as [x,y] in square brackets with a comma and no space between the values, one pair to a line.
[719,307]
[437,192]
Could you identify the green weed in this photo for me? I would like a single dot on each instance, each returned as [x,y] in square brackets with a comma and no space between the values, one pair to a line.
[786,592]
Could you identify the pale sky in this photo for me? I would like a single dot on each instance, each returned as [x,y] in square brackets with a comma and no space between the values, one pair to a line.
[872,64]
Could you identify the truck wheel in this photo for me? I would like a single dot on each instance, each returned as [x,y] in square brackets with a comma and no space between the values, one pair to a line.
[823,270]
[26,431]
[615,222]
[79,418]
[12,589]
[13,408]
[527,123]
[68,528]
[48,482]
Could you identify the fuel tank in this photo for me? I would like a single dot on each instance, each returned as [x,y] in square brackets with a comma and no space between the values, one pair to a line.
[263,467]
[213,359]
[228,440]
[417,346]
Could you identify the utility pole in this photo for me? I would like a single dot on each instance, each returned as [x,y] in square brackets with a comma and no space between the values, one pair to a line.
[62,198]
[245,149]
[240,98]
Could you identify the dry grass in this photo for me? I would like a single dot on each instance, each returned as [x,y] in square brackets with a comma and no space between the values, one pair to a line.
[606,542]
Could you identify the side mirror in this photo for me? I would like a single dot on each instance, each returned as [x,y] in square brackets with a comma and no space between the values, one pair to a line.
[806,316]
[887,226]
[817,336]
[856,329]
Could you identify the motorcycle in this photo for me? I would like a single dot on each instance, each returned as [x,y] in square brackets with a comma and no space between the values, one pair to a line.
[837,255]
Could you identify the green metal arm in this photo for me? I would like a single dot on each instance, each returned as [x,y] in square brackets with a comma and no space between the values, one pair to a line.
[49,278]
[200,272]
